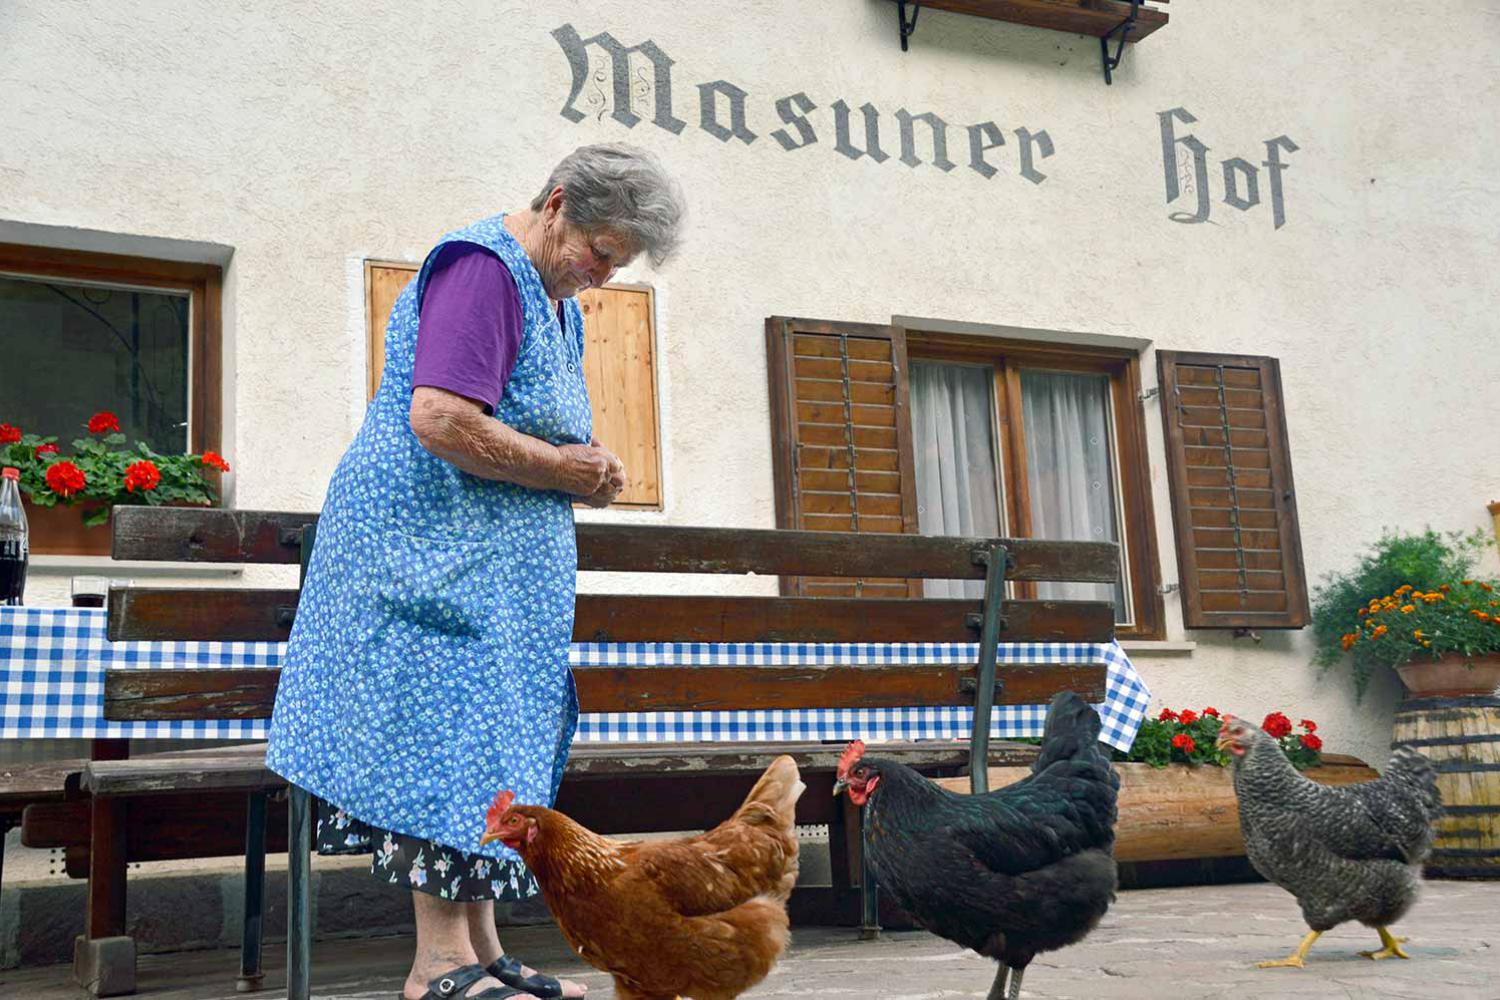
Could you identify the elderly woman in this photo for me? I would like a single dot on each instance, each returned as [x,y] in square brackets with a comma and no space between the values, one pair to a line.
[428,667]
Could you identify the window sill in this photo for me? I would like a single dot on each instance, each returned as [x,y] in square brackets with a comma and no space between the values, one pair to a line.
[1157,646]
[44,565]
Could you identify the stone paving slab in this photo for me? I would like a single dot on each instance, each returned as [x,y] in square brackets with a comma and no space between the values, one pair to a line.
[1171,944]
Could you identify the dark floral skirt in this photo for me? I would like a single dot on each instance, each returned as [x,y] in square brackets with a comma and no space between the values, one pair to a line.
[423,865]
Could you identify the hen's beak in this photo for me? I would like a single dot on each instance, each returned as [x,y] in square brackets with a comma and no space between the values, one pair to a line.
[839,786]
[489,837]
[1224,741]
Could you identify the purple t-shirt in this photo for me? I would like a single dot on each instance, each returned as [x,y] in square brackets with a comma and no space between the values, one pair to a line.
[469,330]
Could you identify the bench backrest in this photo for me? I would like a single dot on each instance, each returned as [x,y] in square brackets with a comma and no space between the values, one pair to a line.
[241,614]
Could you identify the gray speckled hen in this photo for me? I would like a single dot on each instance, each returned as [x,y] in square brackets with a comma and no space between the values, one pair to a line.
[1346,853]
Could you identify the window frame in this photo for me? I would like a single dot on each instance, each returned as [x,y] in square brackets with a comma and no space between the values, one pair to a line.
[1141,562]
[203,284]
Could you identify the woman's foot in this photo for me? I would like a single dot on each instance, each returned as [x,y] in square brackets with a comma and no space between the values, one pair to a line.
[512,972]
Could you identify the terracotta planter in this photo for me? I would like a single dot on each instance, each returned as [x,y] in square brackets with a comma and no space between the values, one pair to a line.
[1179,812]
[1454,676]
[59,531]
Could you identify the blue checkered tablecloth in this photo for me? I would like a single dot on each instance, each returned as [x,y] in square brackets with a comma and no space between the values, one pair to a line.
[52,663]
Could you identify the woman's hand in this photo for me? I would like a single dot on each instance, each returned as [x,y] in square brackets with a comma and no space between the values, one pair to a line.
[589,471]
[613,482]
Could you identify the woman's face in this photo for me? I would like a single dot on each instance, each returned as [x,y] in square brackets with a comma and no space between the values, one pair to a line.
[571,258]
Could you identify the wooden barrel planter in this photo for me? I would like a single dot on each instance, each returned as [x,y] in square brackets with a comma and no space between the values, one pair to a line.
[1461,736]
[1182,813]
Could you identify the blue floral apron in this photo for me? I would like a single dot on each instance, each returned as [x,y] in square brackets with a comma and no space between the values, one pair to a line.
[428,664]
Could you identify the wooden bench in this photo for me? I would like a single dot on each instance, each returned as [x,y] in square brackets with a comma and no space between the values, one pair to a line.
[671,786]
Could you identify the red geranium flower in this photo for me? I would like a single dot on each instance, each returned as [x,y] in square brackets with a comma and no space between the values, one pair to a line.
[216,460]
[65,478]
[9,433]
[1188,717]
[103,422]
[1309,725]
[1184,742]
[1312,742]
[45,449]
[1210,710]
[1277,725]
[141,475]
[1167,715]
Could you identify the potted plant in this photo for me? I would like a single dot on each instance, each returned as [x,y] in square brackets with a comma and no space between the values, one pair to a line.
[1176,797]
[1413,604]
[98,472]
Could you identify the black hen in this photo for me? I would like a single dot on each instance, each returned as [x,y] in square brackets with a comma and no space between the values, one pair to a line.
[1015,872]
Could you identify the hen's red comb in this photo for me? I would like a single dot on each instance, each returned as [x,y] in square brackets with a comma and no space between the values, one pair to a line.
[852,753]
[500,807]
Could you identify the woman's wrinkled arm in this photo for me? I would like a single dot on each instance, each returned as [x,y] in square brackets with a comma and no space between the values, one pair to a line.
[457,430]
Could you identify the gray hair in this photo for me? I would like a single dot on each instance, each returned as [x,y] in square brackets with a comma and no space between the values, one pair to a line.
[621,187]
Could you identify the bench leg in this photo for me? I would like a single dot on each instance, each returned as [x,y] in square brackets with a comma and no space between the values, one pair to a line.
[299,895]
[253,929]
[104,958]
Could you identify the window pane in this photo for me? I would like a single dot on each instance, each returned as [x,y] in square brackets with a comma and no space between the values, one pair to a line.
[953,438]
[1069,468]
[72,350]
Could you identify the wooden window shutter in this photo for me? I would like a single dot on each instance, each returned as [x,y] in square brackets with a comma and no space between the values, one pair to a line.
[619,364]
[842,438]
[1239,550]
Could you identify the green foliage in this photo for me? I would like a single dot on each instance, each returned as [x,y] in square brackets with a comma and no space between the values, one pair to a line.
[1348,608]
[102,468]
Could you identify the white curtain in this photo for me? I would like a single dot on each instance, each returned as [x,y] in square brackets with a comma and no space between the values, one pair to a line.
[953,438]
[1068,467]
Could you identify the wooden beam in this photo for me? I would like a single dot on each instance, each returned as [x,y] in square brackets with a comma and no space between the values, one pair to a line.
[249,693]
[205,535]
[164,614]
[1084,17]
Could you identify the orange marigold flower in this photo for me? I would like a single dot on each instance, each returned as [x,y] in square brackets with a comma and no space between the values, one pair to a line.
[1486,588]
[1403,588]
[1348,641]
[1418,634]
[1467,583]
[1407,609]
[1426,642]
[1380,631]
[1362,612]
[1445,588]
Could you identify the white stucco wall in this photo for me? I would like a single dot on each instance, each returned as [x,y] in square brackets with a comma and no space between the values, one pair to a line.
[301,139]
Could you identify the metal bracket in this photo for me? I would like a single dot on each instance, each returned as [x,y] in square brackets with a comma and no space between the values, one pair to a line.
[907,27]
[981,557]
[1168,588]
[1123,29]
[1149,394]
[975,621]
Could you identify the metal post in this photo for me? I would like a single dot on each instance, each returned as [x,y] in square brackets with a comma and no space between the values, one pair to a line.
[299,896]
[869,888]
[995,558]
[299,865]
[253,931]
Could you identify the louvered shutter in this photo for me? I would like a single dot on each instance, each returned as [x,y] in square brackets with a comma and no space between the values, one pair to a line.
[841,438]
[1239,550]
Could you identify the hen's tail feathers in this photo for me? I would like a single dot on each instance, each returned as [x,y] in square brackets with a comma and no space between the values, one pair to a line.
[776,793]
[1071,732]
[1413,772]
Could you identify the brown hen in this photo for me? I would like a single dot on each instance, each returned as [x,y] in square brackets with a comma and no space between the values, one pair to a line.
[701,917]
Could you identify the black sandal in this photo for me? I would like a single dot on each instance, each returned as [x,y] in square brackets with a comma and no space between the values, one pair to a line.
[453,984]
[508,971]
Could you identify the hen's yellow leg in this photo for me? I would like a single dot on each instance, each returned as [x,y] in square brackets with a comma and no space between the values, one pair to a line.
[1294,960]
[1392,947]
